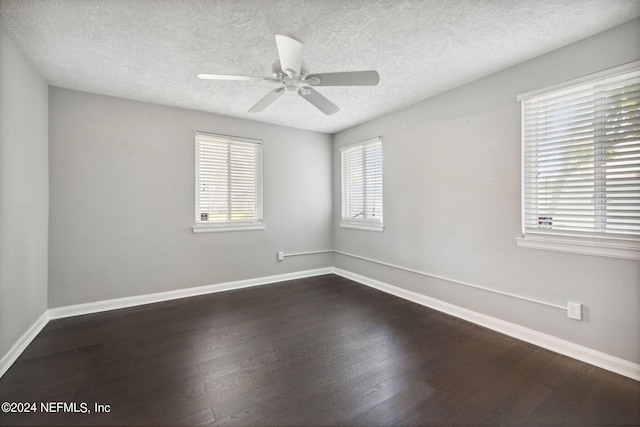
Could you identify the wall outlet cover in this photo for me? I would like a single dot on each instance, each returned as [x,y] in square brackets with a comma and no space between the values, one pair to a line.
[574,310]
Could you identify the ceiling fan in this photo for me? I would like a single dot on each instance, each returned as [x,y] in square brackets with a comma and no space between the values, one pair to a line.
[290,74]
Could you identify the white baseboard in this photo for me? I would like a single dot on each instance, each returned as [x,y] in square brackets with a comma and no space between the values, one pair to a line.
[114,304]
[602,360]
[22,343]
[575,351]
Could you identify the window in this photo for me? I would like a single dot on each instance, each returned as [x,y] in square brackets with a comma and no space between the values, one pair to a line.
[581,166]
[362,185]
[228,183]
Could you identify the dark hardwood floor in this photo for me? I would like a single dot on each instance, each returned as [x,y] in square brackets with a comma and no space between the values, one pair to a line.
[316,351]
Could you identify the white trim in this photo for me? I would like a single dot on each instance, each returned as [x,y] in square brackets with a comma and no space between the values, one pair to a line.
[595,247]
[114,304]
[611,72]
[16,350]
[229,137]
[448,279]
[324,251]
[364,223]
[365,142]
[362,226]
[602,360]
[596,242]
[227,226]
[522,171]
[99,306]
[558,345]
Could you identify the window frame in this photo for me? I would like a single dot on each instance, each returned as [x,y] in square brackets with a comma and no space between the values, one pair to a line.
[366,223]
[257,223]
[621,245]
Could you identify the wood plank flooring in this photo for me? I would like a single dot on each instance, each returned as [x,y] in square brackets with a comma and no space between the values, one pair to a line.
[316,351]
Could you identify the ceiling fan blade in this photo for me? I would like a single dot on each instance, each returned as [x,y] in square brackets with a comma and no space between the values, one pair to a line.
[290,53]
[319,101]
[241,78]
[267,100]
[347,78]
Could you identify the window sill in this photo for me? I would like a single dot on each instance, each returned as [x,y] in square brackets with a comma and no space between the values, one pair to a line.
[366,227]
[584,246]
[219,228]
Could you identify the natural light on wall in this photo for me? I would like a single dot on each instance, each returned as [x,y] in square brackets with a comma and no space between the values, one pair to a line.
[581,165]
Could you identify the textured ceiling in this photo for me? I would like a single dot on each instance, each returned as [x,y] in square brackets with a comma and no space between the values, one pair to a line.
[152,50]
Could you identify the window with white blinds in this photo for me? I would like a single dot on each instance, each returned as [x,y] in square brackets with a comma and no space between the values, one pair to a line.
[581,161]
[361,174]
[228,183]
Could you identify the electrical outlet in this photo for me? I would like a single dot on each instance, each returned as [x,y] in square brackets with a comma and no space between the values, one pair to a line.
[281,256]
[574,310]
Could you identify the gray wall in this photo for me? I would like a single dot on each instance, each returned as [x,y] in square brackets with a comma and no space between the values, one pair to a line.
[122,200]
[24,194]
[122,196]
[452,206]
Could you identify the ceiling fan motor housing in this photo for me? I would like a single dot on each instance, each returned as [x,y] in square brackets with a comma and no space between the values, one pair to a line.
[278,72]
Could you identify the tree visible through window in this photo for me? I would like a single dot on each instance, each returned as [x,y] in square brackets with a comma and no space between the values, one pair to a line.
[581,159]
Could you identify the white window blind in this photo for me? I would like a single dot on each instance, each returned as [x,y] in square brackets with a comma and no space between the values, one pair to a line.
[228,180]
[581,160]
[362,184]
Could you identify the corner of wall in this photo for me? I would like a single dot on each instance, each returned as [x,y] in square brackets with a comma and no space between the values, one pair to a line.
[24,197]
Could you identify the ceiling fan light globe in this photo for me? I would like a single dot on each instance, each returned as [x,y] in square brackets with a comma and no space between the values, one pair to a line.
[290,84]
